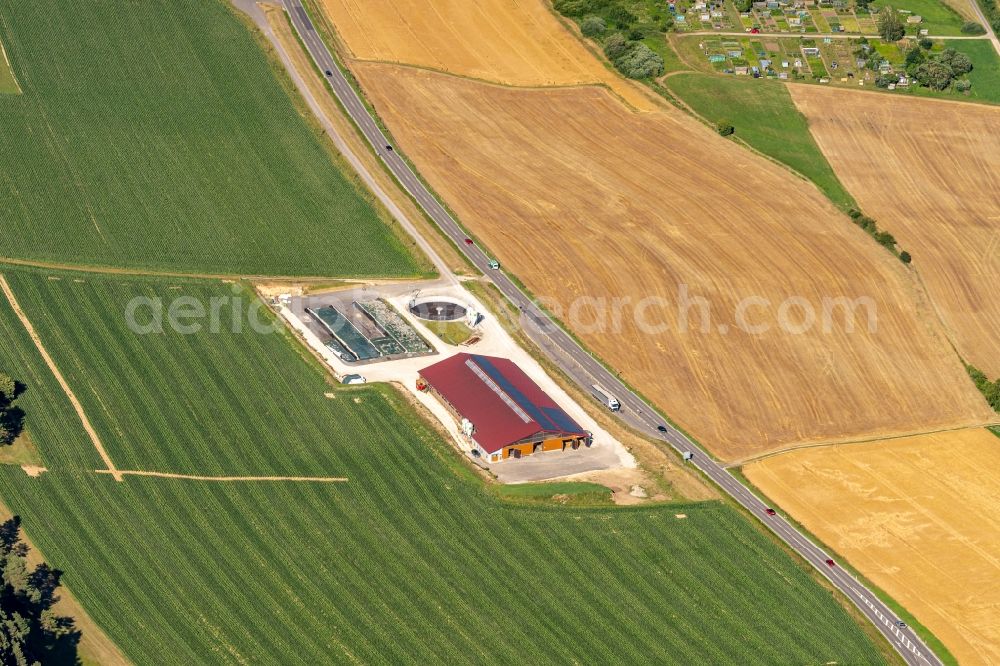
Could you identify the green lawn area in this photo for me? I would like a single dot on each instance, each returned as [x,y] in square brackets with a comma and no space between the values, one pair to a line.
[8,84]
[766,118]
[161,137]
[938,18]
[412,560]
[985,75]
[570,493]
[451,332]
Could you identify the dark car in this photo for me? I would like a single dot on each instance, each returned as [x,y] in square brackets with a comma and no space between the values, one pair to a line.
[770,512]
[830,563]
[329,73]
[389,148]
[661,428]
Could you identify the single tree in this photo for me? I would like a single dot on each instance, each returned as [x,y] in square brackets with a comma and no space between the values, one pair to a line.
[8,387]
[890,27]
[30,631]
[724,128]
[905,257]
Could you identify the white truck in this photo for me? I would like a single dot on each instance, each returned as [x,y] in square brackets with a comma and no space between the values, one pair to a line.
[605,397]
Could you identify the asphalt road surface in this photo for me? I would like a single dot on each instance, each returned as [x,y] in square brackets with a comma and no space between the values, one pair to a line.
[586,371]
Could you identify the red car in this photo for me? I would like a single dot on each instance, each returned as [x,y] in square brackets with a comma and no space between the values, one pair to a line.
[769,512]
[830,563]
[468,241]
[755,31]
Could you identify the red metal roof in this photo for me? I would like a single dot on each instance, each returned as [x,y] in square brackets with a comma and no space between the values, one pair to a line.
[502,402]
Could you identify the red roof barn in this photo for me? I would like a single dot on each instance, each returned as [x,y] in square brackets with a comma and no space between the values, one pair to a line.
[509,414]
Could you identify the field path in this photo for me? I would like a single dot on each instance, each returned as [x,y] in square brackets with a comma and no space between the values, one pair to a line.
[9,293]
[195,477]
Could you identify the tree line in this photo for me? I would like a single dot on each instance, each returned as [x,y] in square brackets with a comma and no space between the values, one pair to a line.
[989,389]
[620,32]
[31,632]
[11,416]
[883,238]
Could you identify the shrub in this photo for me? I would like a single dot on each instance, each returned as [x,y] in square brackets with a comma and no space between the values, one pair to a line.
[965,85]
[592,26]
[615,46]
[973,28]
[635,34]
[639,62]
[885,239]
[724,128]
[883,80]
[925,43]
[622,17]
[905,257]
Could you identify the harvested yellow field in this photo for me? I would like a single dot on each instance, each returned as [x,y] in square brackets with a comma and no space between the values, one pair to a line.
[929,172]
[584,200]
[919,516]
[514,42]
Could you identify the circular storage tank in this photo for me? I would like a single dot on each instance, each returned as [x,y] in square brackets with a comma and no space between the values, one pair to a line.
[437,309]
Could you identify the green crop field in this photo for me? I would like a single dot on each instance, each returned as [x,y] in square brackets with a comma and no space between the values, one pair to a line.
[157,135]
[412,559]
[766,118]
[8,84]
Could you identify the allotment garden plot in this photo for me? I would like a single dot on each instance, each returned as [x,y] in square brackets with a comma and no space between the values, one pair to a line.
[386,567]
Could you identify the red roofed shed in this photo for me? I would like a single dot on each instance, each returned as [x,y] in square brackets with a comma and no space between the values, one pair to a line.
[503,411]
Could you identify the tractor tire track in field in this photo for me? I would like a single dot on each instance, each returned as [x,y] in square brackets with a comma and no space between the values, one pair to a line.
[9,293]
[196,477]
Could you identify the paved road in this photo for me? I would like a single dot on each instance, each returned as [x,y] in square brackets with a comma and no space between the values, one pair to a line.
[815,35]
[586,371]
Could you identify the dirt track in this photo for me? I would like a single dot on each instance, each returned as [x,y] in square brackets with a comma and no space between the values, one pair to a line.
[195,477]
[582,198]
[514,42]
[9,293]
[923,524]
[930,173]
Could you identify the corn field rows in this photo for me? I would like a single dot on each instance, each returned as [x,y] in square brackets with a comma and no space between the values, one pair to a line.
[411,561]
[154,135]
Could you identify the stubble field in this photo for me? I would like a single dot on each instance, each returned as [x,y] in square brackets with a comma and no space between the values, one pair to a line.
[514,42]
[918,516]
[410,559]
[581,198]
[929,172]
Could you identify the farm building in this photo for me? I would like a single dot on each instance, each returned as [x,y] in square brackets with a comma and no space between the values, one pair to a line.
[503,412]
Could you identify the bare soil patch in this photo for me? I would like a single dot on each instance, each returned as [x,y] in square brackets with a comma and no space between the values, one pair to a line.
[919,516]
[582,199]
